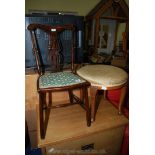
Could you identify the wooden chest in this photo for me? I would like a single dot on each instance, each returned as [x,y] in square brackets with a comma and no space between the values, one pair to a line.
[67,132]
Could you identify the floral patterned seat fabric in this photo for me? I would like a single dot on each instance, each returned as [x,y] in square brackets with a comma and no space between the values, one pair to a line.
[59,79]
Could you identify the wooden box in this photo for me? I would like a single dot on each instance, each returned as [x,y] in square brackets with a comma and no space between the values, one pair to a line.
[67,132]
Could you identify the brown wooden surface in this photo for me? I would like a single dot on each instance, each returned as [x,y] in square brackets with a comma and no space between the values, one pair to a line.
[115,18]
[103,9]
[109,142]
[31,100]
[30,86]
[97,25]
[69,123]
[93,93]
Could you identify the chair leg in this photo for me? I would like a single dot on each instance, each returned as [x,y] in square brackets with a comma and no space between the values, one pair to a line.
[122,97]
[41,115]
[70,95]
[93,93]
[44,100]
[50,99]
[82,95]
[88,110]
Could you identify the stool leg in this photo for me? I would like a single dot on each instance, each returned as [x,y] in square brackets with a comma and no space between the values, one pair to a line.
[105,94]
[122,97]
[93,93]
[88,110]
[41,115]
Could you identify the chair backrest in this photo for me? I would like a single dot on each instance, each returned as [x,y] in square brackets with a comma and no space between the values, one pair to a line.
[55,48]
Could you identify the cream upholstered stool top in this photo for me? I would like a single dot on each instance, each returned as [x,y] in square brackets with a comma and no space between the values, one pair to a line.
[105,77]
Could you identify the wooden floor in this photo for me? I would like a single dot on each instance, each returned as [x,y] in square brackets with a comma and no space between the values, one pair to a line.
[70,123]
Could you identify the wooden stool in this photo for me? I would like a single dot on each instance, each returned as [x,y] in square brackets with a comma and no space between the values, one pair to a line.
[104,77]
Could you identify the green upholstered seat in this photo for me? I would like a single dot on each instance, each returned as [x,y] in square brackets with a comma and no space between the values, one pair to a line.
[59,79]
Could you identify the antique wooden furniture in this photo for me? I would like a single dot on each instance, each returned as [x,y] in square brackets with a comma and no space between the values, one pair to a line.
[105,135]
[57,80]
[102,26]
[104,77]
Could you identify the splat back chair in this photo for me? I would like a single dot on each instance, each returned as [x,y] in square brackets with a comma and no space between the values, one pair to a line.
[57,80]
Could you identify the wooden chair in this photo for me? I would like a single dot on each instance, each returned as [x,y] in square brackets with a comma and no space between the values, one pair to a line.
[57,79]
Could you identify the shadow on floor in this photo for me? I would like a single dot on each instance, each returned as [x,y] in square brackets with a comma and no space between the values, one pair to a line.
[29,151]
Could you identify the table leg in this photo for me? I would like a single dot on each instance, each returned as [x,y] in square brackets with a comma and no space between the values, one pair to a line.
[93,93]
[121,100]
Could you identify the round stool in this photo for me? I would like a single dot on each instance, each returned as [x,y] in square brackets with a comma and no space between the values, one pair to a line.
[104,77]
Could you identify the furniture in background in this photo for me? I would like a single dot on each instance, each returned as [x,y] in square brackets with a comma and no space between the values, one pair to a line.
[104,77]
[56,79]
[102,25]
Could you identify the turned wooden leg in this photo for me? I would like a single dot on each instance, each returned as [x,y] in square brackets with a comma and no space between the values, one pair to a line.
[87,106]
[122,97]
[41,114]
[93,93]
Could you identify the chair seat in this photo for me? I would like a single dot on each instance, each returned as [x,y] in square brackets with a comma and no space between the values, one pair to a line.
[103,75]
[59,79]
